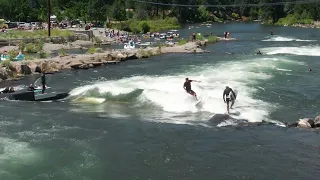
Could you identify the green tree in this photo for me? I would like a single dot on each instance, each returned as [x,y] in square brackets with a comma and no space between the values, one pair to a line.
[119,10]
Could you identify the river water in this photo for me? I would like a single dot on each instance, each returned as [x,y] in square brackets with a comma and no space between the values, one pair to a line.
[134,120]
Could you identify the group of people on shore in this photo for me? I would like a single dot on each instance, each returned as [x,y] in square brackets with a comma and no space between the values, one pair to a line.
[228,94]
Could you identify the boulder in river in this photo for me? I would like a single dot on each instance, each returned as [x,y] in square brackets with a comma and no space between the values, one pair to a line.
[3,73]
[317,121]
[306,123]
[25,69]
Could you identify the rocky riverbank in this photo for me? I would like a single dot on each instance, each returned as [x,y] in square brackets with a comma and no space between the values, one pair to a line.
[17,70]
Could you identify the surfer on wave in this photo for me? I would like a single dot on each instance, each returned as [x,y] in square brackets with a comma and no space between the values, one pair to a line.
[187,87]
[229,95]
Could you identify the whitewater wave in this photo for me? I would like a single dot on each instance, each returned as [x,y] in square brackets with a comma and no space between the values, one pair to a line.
[166,92]
[301,51]
[285,39]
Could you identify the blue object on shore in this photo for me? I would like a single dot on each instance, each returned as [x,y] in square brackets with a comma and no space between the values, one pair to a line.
[20,57]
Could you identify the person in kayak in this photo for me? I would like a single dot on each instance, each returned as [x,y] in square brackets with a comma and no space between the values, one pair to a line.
[187,87]
[229,95]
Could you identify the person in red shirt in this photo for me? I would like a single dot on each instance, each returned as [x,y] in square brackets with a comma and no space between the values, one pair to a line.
[187,87]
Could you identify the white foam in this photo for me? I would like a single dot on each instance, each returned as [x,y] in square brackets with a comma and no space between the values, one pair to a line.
[12,151]
[302,51]
[285,39]
[168,93]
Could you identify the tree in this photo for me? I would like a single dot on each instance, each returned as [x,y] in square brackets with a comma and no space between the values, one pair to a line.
[118,10]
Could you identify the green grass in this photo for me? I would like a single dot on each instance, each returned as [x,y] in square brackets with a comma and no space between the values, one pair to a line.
[91,50]
[199,37]
[212,39]
[182,42]
[35,34]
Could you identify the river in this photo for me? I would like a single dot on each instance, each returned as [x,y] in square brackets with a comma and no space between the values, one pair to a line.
[148,128]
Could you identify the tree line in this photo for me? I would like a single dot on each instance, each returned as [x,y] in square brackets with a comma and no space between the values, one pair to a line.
[121,10]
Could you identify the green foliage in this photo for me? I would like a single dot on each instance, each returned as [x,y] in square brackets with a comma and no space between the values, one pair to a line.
[137,26]
[6,63]
[33,47]
[292,19]
[144,27]
[203,13]
[100,10]
[43,54]
[29,58]
[22,46]
[182,42]
[212,39]
[199,37]
[37,33]
[235,16]
[62,52]
[91,50]
[119,10]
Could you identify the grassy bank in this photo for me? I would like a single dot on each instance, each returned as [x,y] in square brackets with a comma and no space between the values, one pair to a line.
[35,34]
[137,26]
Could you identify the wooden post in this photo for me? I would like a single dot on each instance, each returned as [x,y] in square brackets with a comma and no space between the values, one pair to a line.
[49,14]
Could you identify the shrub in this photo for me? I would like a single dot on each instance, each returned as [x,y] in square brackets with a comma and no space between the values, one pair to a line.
[91,50]
[182,41]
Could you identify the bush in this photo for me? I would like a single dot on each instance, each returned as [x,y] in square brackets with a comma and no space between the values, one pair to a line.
[12,54]
[182,42]
[43,54]
[235,16]
[22,45]
[212,39]
[144,27]
[292,19]
[6,63]
[199,37]
[91,50]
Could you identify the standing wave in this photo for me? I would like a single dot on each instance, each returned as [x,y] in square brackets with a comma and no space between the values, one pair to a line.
[167,92]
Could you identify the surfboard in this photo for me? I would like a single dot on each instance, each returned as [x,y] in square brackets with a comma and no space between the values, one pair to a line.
[198,102]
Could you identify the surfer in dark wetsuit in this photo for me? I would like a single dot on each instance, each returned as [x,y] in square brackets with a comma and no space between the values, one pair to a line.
[229,95]
[187,87]
[43,82]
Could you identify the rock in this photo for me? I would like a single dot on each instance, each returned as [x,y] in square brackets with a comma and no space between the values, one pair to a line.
[91,66]
[306,123]
[132,55]
[95,64]
[84,66]
[317,121]
[99,50]
[108,57]
[25,69]
[37,69]
[3,73]
[121,57]
[74,64]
